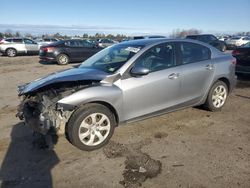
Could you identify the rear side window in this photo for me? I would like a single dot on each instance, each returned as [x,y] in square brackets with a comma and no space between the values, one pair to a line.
[86,44]
[191,52]
[17,40]
[72,43]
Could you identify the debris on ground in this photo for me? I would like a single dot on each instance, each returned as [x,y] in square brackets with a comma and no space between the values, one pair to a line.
[138,165]
[160,135]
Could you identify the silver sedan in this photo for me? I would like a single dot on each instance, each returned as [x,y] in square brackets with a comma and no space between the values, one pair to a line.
[127,82]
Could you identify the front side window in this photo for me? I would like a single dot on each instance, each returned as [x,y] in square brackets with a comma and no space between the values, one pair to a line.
[247,45]
[113,58]
[158,58]
[191,52]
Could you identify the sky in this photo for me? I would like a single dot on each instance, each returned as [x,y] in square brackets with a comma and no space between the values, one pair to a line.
[127,16]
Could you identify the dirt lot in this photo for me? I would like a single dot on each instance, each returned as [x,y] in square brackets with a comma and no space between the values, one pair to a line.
[189,148]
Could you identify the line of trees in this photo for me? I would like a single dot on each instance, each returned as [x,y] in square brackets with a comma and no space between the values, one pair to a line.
[9,33]
[177,33]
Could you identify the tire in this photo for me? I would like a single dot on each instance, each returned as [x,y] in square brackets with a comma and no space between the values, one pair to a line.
[86,122]
[62,59]
[11,52]
[217,96]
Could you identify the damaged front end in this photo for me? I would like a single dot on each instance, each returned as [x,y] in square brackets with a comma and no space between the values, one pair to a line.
[40,111]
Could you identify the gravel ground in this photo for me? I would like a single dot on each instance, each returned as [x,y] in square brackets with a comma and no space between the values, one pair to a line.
[187,148]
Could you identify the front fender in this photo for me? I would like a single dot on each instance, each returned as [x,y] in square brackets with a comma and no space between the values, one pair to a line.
[107,93]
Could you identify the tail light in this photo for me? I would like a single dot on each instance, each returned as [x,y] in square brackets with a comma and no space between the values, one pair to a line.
[235,53]
[48,49]
[1,41]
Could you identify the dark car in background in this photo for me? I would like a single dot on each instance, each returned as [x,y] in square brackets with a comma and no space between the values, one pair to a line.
[210,39]
[66,51]
[242,54]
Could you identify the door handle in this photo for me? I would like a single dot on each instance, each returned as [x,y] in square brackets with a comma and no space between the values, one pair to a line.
[174,76]
[209,67]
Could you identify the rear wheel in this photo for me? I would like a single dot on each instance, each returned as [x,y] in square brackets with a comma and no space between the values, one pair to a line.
[62,59]
[11,52]
[91,127]
[217,96]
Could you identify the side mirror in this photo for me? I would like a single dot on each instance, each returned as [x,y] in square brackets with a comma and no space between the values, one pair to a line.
[139,71]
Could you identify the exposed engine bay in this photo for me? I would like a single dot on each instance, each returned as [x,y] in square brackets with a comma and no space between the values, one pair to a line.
[40,112]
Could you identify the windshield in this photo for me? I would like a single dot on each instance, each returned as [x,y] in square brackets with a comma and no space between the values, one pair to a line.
[112,58]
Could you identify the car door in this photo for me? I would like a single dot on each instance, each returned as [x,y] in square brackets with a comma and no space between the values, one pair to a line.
[155,91]
[73,49]
[31,46]
[197,71]
[87,49]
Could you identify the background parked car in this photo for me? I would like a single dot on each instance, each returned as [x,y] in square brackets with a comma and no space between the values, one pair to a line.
[148,37]
[14,46]
[103,43]
[242,54]
[45,41]
[66,51]
[210,39]
[237,41]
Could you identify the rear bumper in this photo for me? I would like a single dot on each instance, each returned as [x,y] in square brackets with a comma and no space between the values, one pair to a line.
[47,56]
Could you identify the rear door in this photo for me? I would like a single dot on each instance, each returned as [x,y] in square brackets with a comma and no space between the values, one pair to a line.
[197,71]
[87,49]
[73,49]
[31,46]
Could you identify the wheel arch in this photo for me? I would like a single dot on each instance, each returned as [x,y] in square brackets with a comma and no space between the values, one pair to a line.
[10,48]
[109,106]
[226,81]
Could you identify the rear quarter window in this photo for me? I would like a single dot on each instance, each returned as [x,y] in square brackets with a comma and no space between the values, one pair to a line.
[17,40]
[192,53]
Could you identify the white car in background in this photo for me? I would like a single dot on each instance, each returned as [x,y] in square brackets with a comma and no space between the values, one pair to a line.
[14,46]
[45,41]
[237,41]
[103,43]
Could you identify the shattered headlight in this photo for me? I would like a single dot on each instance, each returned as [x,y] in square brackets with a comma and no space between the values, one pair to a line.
[21,88]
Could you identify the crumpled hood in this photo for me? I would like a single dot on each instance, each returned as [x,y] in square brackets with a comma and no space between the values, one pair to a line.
[74,74]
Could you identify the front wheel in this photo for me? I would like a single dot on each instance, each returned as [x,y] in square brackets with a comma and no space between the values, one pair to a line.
[217,96]
[91,127]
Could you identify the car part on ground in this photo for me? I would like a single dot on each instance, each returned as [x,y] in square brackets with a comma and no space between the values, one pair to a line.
[242,54]
[127,82]
[66,51]
[14,46]
[210,39]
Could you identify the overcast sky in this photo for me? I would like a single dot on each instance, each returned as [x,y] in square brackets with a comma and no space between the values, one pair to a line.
[128,16]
